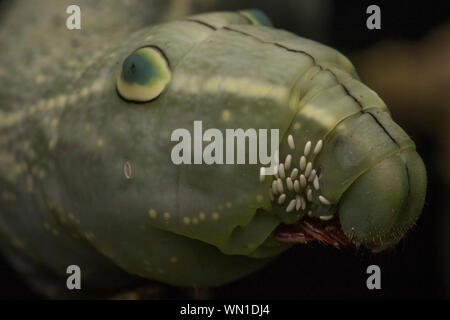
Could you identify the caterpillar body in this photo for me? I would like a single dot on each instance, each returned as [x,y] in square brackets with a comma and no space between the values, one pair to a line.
[86,175]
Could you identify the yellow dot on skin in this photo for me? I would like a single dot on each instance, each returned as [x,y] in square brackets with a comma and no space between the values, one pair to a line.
[215,216]
[72,98]
[173,259]
[166,215]
[18,168]
[228,204]
[51,144]
[186,220]
[97,86]
[202,216]
[62,100]
[84,92]
[89,235]
[152,213]
[297,125]
[40,79]
[226,115]
[165,134]
[259,198]
[41,104]
[51,103]
[87,127]
[54,123]
[194,220]
[100,143]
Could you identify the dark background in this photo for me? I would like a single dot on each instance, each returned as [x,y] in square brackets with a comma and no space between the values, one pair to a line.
[418,267]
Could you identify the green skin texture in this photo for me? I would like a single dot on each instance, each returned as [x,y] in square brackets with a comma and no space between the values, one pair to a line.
[66,200]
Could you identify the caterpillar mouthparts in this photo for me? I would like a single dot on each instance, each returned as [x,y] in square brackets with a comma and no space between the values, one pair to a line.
[311,229]
[295,188]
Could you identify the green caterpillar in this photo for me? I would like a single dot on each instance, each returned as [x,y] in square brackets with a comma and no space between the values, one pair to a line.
[86,176]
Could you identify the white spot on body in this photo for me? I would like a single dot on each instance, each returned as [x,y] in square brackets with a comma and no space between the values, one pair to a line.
[307,148]
[294,173]
[127,170]
[290,184]
[316,183]
[274,187]
[302,163]
[296,186]
[290,206]
[281,198]
[291,143]
[308,169]
[302,181]
[324,200]
[303,203]
[309,195]
[298,202]
[281,172]
[280,186]
[318,147]
[287,162]
[312,176]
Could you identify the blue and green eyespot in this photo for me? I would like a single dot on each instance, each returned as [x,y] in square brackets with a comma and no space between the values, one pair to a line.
[144,75]
[257,17]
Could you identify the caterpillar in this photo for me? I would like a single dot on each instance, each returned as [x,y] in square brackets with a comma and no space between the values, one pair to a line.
[86,176]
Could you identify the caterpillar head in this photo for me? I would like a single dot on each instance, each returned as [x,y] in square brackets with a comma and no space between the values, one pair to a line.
[375,207]
[204,223]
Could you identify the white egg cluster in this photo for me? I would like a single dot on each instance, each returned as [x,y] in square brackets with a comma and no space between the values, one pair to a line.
[292,187]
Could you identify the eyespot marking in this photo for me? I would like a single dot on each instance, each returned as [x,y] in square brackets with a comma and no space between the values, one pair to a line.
[257,17]
[145,74]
